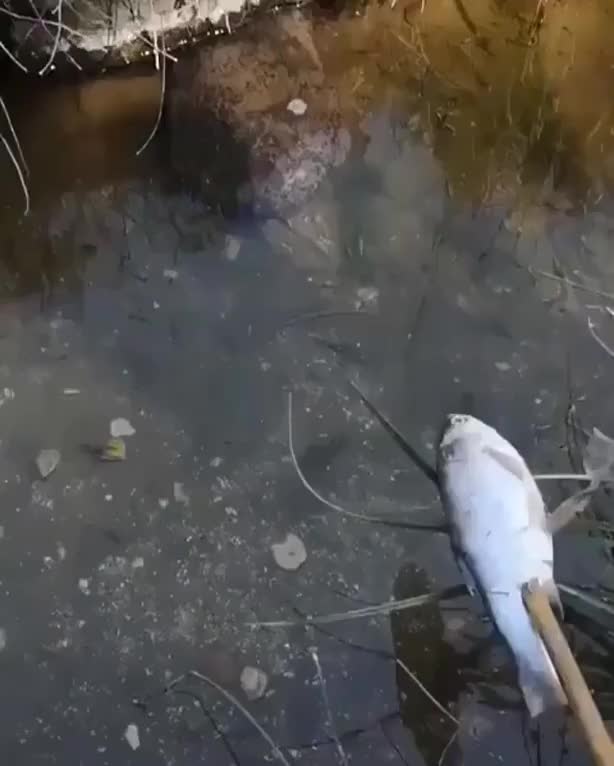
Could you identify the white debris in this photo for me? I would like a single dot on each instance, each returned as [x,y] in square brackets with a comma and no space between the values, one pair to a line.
[180,494]
[163,502]
[290,554]
[170,274]
[84,586]
[367,296]
[72,391]
[121,427]
[297,106]
[232,248]
[131,735]
[2,639]
[138,562]
[503,366]
[47,461]
[216,462]
[6,395]
[254,682]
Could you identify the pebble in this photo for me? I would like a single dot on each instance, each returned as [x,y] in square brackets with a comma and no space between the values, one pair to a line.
[254,682]
[121,427]
[297,106]
[131,735]
[290,554]
[47,461]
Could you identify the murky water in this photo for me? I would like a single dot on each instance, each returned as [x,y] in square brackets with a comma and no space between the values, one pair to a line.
[396,225]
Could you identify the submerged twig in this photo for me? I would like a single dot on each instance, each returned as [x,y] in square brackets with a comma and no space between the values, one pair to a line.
[324,315]
[214,724]
[600,341]
[329,715]
[335,506]
[571,283]
[234,701]
[398,437]
[13,58]
[14,136]
[444,752]
[19,172]
[426,692]
[154,130]
[368,611]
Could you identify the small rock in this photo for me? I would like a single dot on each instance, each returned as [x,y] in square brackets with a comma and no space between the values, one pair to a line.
[254,682]
[121,427]
[131,735]
[179,494]
[367,296]
[170,274]
[290,554]
[216,462]
[163,502]
[297,106]
[47,461]
[84,586]
[503,366]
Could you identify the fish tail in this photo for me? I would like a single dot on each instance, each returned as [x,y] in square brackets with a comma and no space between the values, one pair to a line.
[539,682]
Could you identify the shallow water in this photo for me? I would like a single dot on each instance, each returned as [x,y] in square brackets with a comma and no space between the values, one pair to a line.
[395,232]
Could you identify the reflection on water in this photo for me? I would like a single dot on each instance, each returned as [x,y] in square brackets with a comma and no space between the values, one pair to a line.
[446,168]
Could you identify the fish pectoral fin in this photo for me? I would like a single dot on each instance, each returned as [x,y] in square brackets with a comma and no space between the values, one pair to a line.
[508,462]
[465,571]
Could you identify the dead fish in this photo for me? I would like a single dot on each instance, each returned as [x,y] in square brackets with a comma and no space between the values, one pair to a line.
[501,541]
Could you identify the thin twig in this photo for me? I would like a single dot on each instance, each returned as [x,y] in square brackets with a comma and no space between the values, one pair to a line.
[562,477]
[571,283]
[323,315]
[600,341]
[20,174]
[338,508]
[426,692]
[56,42]
[368,611]
[161,104]
[444,752]
[13,58]
[234,701]
[7,116]
[398,437]
[214,724]
[331,724]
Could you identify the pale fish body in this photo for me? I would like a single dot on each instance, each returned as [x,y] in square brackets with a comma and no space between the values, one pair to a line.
[499,533]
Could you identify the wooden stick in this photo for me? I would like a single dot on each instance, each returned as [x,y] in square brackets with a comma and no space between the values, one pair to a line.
[578,694]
